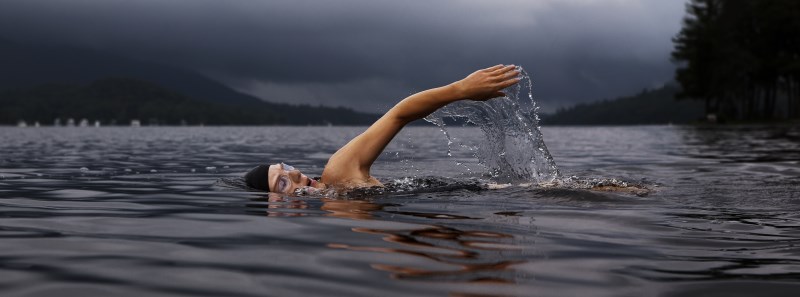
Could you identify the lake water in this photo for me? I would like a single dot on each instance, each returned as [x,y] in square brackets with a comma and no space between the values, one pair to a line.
[150,212]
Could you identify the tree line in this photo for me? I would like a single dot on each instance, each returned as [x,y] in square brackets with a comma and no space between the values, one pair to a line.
[648,107]
[742,57]
[122,100]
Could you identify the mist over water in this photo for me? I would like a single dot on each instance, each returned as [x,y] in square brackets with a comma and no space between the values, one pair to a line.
[513,148]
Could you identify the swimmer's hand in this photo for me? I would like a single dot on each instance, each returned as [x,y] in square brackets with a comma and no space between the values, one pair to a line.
[487,83]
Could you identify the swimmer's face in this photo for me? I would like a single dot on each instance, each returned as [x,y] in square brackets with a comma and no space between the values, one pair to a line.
[286,179]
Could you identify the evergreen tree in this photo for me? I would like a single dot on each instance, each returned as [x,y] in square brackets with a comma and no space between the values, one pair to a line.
[741,57]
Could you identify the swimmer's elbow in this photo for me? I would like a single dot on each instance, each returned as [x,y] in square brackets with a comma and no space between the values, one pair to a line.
[396,116]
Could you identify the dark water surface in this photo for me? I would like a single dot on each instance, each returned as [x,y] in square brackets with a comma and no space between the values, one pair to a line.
[142,212]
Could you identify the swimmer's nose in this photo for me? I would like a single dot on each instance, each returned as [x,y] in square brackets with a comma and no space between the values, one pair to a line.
[295,175]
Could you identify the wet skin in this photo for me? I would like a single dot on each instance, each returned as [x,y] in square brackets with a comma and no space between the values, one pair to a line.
[286,179]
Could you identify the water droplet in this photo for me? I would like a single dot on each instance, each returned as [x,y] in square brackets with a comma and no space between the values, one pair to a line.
[513,146]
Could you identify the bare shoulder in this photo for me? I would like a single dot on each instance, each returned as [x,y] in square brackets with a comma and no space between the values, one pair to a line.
[344,170]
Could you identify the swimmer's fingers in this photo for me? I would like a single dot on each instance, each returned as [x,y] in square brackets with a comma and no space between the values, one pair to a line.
[502,70]
[502,85]
[506,76]
[512,74]
[493,68]
[508,82]
[487,83]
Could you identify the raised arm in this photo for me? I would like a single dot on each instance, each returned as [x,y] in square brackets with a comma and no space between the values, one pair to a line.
[480,85]
[354,160]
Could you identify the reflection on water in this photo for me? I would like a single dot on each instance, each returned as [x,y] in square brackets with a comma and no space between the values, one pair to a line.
[463,253]
[744,143]
[454,250]
[147,218]
[349,209]
[288,207]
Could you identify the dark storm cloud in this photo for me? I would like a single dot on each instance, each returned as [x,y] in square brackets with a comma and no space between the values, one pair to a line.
[367,54]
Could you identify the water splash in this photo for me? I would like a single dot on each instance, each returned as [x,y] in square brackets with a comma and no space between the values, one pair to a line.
[513,149]
[416,185]
[639,188]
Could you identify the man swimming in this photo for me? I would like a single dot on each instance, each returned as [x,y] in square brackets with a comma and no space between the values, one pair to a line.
[349,167]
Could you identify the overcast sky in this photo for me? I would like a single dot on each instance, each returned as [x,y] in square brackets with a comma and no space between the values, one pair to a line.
[368,54]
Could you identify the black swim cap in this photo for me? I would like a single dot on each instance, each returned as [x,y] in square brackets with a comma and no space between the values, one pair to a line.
[258,178]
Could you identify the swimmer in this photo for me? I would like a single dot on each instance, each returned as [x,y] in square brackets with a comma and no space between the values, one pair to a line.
[349,167]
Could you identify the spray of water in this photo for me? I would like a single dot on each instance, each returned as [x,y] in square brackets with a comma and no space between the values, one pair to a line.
[513,148]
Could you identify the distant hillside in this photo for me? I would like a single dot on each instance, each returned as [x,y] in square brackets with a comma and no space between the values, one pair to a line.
[25,65]
[40,83]
[120,100]
[648,107]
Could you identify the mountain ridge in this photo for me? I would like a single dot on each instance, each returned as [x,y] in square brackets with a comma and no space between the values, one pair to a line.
[648,107]
[43,73]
